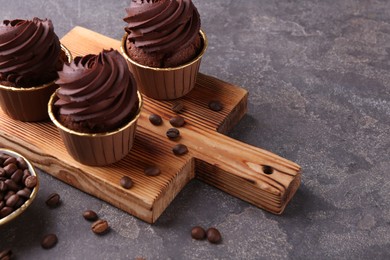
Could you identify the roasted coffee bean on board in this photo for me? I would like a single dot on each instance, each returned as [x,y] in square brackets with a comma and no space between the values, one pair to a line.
[177,121]
[215,105]
[173,133]
[126,182]
[155,119]
[180,149]
[152,171]
[177,107]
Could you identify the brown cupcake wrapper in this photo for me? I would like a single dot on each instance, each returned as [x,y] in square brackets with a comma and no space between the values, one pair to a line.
[165,83]
[28,104]
[101,148]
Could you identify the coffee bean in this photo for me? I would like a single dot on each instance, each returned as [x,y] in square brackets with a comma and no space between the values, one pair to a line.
[11,185]
[49,241]
[19,203]
[26,173]
[180,149]
[12,200]
[177,121]
[198,233]
[21,163]
[5,211]
[152,171]
[155,119]
[215,105]
[17,176]
[90,215]
[177,107]
[9,160]
[126,182]
[213,235]
[2,172]
[173,133]
[100,227]
[25,193]
[10,168]
[6,254]
[31,182]
[9,194]
[53,200]
[3,186]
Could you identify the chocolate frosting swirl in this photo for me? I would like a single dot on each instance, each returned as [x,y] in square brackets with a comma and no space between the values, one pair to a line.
[98,90]
[162,25]
[29,52]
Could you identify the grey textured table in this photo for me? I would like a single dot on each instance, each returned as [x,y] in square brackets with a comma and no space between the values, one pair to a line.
[318,74]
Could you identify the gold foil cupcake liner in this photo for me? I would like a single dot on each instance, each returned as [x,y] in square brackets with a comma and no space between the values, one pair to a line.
[97,149]
[29,104]
[165,83]
[34,192]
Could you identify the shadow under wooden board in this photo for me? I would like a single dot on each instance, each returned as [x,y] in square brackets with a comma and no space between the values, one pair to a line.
[252,174]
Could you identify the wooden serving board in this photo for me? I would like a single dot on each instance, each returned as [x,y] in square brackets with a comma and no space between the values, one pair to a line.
[252,174]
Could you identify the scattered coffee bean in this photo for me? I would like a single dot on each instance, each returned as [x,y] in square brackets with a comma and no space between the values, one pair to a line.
[49,241]
[198,233]
[90,215]
[31,182]
[177,121]
[215,105]
[180,149]
[152,171]
[126,182]
[6,254]
[155,119]
[177,107]
[173,133]
[100,227]
[53,200]
[213,235]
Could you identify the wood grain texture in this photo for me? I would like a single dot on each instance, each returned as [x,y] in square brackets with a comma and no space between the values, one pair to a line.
[228,164]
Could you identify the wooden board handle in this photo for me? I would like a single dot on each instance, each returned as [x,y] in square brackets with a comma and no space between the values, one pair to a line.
[252,174]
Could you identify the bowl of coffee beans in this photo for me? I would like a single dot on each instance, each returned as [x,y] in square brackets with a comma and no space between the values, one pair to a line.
[18,185]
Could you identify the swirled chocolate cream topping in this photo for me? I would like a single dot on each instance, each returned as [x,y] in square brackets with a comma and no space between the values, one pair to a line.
[30,53]
[97,93]
[162,33]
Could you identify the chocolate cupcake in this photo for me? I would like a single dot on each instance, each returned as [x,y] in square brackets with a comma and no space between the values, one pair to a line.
[30,57]
[163,45]
[96,108]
